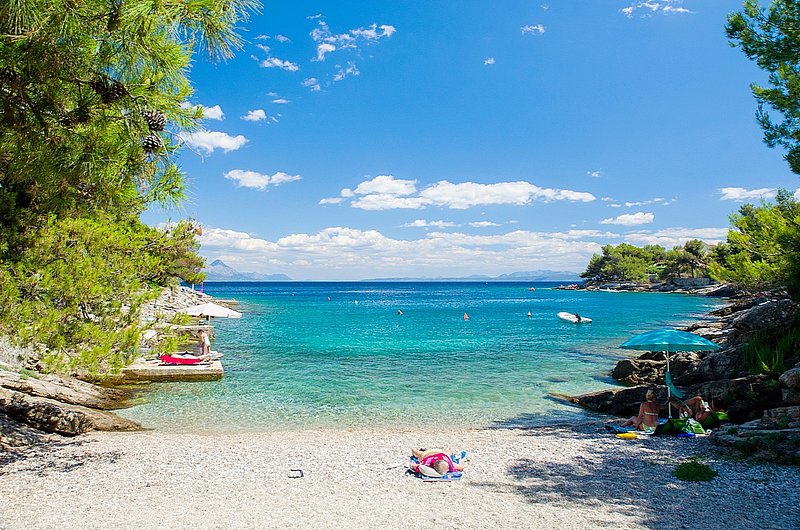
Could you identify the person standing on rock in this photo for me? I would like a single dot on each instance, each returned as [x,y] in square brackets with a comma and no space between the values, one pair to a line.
[205,343]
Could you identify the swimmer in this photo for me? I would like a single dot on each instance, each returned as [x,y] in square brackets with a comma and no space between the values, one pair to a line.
[399,311]
[529,314]
[466,316]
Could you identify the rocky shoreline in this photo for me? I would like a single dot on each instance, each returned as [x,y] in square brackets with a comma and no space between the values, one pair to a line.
[37,408]
[765,409]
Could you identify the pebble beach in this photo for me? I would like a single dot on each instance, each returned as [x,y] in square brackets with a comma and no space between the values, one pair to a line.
[551,477]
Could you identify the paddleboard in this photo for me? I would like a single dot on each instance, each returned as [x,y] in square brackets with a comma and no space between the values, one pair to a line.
[569,317]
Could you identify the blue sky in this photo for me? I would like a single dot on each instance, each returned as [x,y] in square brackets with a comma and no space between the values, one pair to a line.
[352,140]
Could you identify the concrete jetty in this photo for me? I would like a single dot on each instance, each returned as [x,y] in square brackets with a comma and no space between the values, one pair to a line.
[142,370]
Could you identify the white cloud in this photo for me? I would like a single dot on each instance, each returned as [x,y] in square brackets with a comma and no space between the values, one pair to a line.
[281,101]
[346,71]
[323,49]
[467,194]
[482,224]
[348,253]
[382,201]
[630,219]
[422,223]
[331,200]
[328,42]
[650,8]
[671,237]
[282,38]
[545,7]
[536,29]
[208,141]
[489,60]
[596,173]
[274,62]
[742,194]
[255,115]
[253,179]
[796,194]
[209,113]
[312,83]
[385,192]
[386,184]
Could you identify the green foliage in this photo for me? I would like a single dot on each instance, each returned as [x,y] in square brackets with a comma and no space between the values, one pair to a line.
[76,292]
[770,352]
[763,247]
[181,319]
[770,37]
[694,471]
[91,113]
[633,264]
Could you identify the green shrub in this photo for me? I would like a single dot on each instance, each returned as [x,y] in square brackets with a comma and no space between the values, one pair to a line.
[769,352]
[694,471]
[181,319]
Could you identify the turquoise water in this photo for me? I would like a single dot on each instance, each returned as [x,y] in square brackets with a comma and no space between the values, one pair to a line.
[310,355]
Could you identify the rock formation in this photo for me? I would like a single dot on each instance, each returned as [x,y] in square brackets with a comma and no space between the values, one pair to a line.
[768,408]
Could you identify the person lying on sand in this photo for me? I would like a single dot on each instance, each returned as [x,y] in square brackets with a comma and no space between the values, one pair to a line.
[435,458]
[647,418]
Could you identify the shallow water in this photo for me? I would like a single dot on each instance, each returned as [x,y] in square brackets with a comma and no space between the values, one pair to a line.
[310,355]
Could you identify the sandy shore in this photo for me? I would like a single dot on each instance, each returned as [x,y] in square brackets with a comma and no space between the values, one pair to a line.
[557,477]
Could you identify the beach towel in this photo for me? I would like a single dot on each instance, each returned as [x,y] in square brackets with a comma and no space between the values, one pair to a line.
[428,474]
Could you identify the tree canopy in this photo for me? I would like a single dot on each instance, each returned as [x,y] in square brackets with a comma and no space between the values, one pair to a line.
[628,263]
[91,107]
[771,37]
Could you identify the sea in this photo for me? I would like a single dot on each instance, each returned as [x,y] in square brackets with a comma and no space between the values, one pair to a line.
[340,355]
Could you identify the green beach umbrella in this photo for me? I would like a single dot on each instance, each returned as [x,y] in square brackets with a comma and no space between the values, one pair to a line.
[669,341]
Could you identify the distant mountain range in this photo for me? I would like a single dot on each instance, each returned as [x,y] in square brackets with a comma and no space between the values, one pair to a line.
[217,271]
[528,276]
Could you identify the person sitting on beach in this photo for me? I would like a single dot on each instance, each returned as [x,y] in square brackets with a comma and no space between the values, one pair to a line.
[700,409]
[648,414]
[436,459]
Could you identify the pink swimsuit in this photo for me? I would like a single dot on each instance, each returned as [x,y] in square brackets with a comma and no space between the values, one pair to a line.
[432,458]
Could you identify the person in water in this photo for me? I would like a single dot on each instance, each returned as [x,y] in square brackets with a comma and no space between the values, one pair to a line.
[578,317]
[529,314]
[435,458]
[466,316]
[648,414]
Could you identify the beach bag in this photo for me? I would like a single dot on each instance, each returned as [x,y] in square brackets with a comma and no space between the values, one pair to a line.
[672,426]
[693,426]
[715,418]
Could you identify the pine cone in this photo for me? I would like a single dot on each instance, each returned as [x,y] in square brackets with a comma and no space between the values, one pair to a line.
[110,90]
[152,143]
[8,76]
[155,119]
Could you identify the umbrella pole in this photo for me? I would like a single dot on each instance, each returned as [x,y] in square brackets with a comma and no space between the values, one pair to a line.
[669,394]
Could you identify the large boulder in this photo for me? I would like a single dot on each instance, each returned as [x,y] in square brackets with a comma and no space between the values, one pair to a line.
[708,366]
[67,390]
[53,416]
[790,386]
[619,401]
[770,315]
[14,434]
[745,398]
[638,371]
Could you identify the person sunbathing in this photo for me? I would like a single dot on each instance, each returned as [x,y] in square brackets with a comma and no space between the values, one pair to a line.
[700,409]
[436,459]
[647,419]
